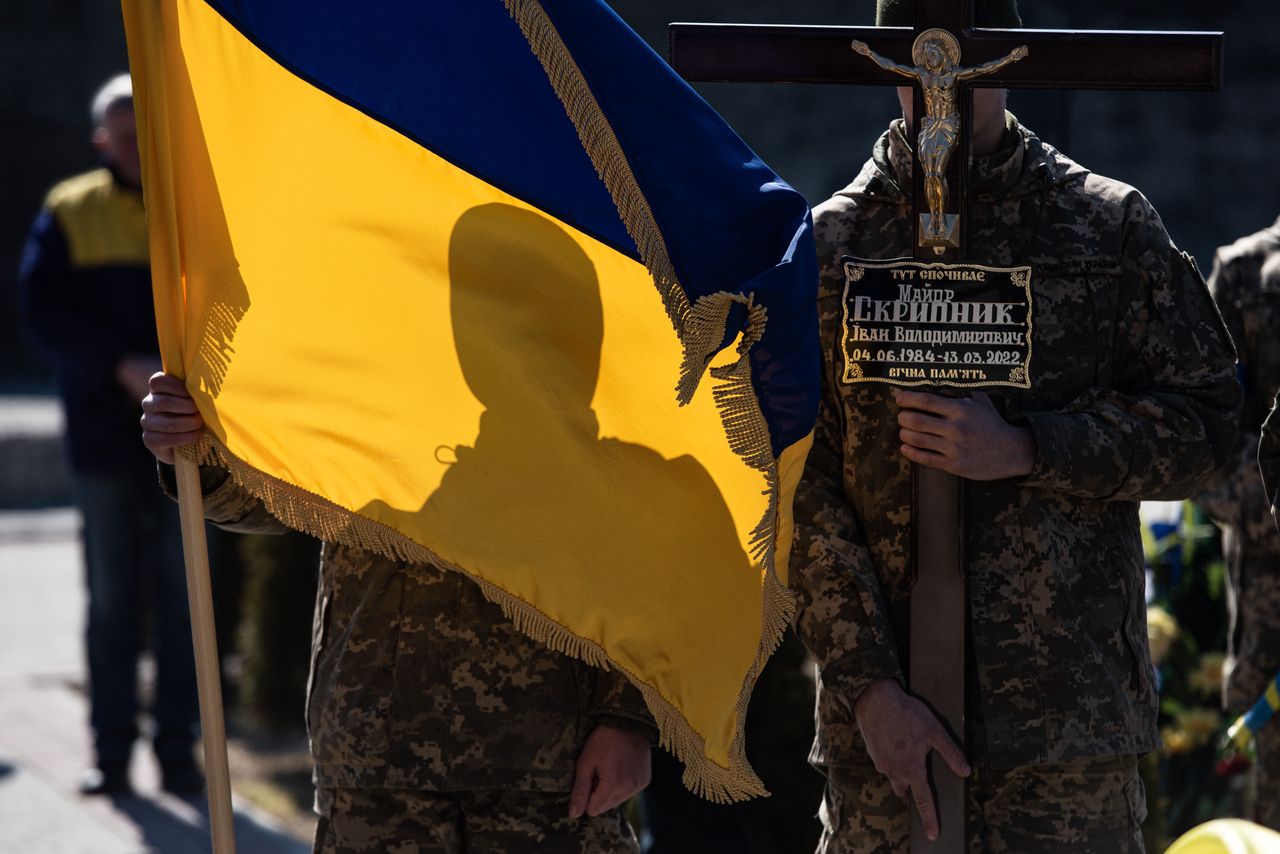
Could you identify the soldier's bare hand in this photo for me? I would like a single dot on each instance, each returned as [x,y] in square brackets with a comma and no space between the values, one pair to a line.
[965,436]
[861,47]
[169,417]
[900,731]
[613,766]
[1020,52]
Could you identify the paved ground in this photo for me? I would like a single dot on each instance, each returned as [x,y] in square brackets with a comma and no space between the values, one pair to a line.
[32,471]
[43,733]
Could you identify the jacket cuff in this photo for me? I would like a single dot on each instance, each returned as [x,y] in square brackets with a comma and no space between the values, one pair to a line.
[1059,438]
[619,704]
[646,728]
[1052,433]
[847,686]
[212,479]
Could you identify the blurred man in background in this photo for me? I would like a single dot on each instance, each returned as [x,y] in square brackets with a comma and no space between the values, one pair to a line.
[1246,286]
[85,297]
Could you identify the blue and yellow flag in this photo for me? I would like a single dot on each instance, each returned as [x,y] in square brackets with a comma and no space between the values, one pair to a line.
[405,254]
[1246,727]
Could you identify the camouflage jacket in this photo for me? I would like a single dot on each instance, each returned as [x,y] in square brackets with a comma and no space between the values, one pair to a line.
[1134,396]
[1246,285]
[419,682]
[1269,458]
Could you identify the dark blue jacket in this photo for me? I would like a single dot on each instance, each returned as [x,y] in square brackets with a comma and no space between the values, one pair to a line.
[84,290]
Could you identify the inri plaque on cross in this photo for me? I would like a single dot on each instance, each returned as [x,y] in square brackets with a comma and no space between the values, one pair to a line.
[942,320]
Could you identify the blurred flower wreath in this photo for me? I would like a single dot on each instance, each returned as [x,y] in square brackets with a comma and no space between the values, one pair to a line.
[1192,779]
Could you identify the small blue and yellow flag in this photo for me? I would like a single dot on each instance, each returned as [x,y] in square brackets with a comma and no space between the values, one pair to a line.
[1245,727]
[445,280]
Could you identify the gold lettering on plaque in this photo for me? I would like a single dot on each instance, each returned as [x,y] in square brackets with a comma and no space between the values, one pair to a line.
[936,54]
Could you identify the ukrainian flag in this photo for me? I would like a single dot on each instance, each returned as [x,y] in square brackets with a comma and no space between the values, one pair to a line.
[444,279]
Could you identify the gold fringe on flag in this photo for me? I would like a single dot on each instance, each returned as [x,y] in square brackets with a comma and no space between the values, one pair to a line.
[701,329]
[319,517]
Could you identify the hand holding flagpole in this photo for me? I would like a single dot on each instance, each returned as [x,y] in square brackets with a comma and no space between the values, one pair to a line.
[170,420]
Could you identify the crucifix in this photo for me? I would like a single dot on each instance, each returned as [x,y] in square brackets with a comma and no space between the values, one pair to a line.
[943,57]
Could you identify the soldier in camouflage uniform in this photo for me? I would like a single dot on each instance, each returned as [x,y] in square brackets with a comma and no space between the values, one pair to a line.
[1134,396]
[1245,283]
[434,724]
[1269,458]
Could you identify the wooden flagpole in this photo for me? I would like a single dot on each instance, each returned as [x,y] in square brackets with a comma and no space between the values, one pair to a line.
[205,646]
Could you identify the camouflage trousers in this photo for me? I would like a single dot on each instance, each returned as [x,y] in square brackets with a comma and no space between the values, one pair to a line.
[1268,744]
[1085,806]
[495,821]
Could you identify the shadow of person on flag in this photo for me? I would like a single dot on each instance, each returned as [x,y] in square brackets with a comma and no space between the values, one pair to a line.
[598,532]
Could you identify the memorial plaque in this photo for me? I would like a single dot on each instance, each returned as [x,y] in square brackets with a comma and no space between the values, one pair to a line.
[918,323]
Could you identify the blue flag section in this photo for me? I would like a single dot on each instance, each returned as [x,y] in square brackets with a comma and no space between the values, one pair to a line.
[645,165]
[486,285]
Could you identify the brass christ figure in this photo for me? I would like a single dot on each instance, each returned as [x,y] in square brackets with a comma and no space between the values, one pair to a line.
[936,54]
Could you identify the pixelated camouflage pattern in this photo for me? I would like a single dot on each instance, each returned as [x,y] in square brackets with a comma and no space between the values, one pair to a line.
[1267,743]
[1134,396]
[1083,806]
[419,682]
[379,821]
[1245,283]
[1269,458]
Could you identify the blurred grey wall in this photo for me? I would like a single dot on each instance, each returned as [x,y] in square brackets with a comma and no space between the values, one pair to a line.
[54,54]
[1207,161]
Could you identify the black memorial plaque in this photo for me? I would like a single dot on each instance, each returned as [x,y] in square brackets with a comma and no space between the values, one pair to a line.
[920,323]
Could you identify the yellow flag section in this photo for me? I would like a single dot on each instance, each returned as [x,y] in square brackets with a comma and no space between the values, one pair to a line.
[397,355]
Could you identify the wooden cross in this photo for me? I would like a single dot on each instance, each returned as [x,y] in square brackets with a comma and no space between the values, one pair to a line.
[1059,59]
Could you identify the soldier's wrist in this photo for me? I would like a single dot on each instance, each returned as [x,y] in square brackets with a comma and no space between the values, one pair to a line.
[1023,459]
[875,691]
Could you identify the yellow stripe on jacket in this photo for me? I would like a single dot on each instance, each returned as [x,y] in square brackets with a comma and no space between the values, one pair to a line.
[103,222]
